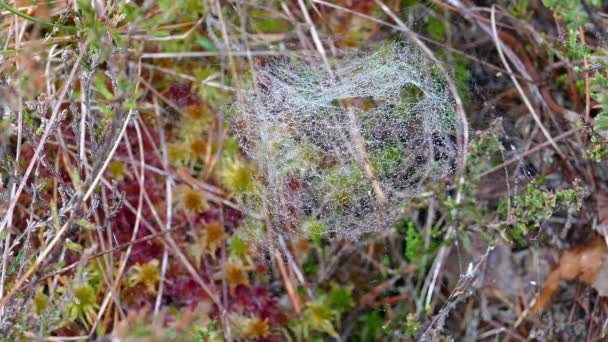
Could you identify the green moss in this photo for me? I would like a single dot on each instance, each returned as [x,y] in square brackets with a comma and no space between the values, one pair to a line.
[414,243]
[41,301]
[437,29]
[271,25]
[83,305]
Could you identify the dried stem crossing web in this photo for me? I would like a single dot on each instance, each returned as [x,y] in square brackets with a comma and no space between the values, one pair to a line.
[340,153]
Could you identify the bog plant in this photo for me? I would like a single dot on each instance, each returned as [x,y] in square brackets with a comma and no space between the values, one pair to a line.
[346,142]
[518,214]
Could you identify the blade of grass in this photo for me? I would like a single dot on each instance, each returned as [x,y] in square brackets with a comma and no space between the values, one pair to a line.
[9,51]
[33,19]
[19,13]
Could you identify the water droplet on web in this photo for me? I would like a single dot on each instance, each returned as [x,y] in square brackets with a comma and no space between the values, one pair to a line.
[358,142]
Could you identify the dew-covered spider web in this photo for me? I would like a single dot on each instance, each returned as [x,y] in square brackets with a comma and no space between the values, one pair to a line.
[342,152]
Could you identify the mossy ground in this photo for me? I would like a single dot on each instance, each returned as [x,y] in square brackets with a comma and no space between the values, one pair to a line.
[122,178]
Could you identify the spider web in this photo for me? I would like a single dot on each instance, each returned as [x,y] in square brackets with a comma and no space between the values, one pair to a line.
[342,151]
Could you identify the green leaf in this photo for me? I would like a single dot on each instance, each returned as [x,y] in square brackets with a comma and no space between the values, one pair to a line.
[9,51]
[3,234]
[105,110]
[341,298]
[319,318]
[100,85]
[18,261]
[59,265]
[40,301]
[271,25]
[85,224]
[72,246]
[206,44]
[370,326]
[160,34]
[414,244]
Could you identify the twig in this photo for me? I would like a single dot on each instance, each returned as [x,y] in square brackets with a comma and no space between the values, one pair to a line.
[97,255]
[530,151]
[218,8]
[203,54]
[423,38]
[535,116]
[464,125]
[291,292]
[169,205]
[314,34]
[64,228]
[7,241]
[463,137]
[295,267]
[41,143]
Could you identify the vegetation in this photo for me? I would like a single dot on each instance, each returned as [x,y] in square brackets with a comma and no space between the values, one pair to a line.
[303,170]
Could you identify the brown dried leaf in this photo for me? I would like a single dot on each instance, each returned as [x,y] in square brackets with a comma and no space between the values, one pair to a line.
[602,213]
[587,264]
